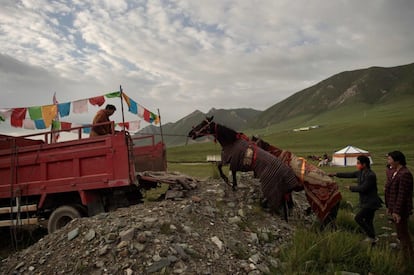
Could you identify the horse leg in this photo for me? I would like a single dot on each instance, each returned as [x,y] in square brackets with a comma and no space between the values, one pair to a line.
[220,168]
[287,205]
[233,173]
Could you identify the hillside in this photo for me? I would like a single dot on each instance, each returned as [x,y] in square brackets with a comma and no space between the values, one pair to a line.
[176,133]
[372,86]
[341,95]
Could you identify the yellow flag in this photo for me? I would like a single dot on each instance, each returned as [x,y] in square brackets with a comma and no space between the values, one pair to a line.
[49,113]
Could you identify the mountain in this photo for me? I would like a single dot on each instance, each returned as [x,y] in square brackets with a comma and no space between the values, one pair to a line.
[176,133]
[372,86]
[375,85]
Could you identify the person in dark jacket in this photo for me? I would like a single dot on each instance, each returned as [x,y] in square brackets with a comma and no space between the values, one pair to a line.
[399,199]
[369,200]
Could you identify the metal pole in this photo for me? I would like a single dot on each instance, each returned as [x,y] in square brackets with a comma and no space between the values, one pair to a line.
[122,108]
[159,117]
[162,141]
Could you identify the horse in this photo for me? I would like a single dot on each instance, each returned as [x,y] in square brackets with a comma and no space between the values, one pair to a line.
[321,191]
[276,178]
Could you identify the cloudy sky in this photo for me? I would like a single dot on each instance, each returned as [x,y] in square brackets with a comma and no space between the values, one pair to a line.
[182,55]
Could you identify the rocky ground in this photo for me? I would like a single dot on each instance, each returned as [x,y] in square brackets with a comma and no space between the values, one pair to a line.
[208,229]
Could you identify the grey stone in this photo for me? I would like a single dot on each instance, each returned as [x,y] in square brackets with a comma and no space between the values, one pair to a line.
[157,266]
[90,235]
[73,234]
[127,235]
[102,251]
[254,258]
[217,242]
[180,252]
[174,194]
[235,220]
[20,265]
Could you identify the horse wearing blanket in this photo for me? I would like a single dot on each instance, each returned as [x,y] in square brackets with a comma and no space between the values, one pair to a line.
[321,190]
[276,178]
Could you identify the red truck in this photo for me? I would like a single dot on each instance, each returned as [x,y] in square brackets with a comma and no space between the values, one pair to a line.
[58,182]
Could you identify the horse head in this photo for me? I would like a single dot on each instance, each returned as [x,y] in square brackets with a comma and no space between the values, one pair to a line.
[204,128]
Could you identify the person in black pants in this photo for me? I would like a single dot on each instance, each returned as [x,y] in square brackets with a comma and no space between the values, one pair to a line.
[369,201]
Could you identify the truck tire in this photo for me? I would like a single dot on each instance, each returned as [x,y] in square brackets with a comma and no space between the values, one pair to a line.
[62,216]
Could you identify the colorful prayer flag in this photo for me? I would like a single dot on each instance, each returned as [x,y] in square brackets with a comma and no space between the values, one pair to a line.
[65,125]
[56,124]
[98,100]
[126,125]
[134,125]
[113,94]
[28,124]
[49,113]
[64,109]
[133,107]
[35,112]
[141,111]
[40,124]
[17,116]
[126,99]
[86,130]
[147,115]
[80,106]
[5,114]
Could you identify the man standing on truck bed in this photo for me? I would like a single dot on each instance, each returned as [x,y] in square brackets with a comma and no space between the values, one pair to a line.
[101,117]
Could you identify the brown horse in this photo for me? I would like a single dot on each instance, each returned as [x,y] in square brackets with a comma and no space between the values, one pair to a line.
[321,191]
[276,178]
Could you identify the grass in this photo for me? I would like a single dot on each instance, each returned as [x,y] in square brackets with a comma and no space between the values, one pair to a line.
[331,252]
[378,129]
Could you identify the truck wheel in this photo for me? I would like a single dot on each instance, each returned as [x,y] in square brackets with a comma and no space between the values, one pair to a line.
[62,216]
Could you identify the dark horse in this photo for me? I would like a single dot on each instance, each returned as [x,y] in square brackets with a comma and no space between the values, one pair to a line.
[277,179]
[321,190]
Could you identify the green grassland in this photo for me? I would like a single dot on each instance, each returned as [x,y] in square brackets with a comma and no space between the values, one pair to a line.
[378,129]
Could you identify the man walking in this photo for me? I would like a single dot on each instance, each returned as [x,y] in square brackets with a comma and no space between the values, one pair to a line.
[369,201]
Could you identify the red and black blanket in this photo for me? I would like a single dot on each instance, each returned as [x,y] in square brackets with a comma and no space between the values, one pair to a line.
[321,191]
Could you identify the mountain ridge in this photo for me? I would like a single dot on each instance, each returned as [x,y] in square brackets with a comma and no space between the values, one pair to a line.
[371,86]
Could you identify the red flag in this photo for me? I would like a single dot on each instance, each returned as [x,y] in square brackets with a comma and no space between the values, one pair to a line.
[65,125]
[98,100]
[17,117]
[122,124]
[147,115]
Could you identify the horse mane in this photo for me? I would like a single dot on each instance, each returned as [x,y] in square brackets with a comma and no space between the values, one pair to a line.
[263,144]
[225,135]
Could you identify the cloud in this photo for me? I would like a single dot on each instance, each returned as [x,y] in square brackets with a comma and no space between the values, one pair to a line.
[181,55]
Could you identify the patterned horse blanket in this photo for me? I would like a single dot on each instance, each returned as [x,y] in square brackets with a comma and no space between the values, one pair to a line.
[321,190]
[275,176]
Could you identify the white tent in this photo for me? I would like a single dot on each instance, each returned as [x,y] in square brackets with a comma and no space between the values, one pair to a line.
[348,156]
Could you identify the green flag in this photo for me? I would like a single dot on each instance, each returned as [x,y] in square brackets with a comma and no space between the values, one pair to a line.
[35,112]
[114,94]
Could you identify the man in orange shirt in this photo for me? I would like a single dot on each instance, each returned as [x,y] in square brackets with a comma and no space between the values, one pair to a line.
[101,117]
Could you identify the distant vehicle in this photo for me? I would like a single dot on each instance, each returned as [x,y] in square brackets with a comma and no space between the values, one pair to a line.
[57,182]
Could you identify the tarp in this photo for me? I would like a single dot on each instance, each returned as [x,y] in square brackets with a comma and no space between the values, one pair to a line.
[348,156]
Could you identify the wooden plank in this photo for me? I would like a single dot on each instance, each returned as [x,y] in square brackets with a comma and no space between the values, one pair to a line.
[14,209]
[20,222]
